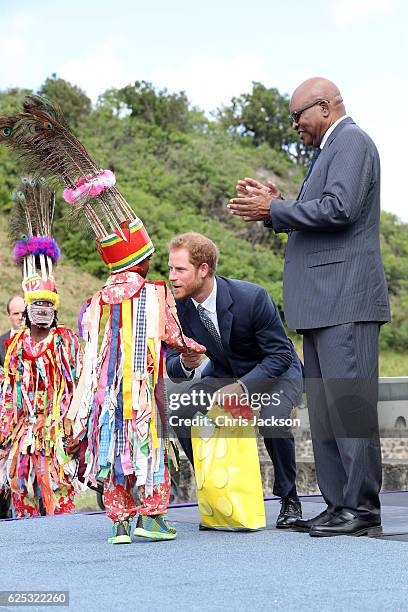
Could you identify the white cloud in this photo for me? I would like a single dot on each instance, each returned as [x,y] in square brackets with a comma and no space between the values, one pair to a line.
[98,71]
[210,82]
[347,11]
[375,114]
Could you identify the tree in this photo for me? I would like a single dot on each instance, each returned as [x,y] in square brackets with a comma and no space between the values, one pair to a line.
[11,100]
[168,111]
[394,247]
[263,115]
[74,103]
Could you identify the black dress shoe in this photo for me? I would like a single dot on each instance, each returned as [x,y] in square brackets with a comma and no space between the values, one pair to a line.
[290,511]
[345,523]
[306,525]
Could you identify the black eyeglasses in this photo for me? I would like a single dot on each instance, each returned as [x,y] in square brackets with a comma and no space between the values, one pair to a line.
[295,116]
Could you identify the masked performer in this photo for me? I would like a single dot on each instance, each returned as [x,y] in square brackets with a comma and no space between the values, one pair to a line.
[126,325]
[41,370]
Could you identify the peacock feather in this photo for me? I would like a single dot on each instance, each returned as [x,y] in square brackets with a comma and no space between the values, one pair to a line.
[46,146]
[33,209]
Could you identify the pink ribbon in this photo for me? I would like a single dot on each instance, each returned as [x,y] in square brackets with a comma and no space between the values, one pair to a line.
[89,186]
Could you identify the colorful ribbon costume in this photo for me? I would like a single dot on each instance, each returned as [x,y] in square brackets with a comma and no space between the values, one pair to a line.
[126,325]
[39,377]
[119,404]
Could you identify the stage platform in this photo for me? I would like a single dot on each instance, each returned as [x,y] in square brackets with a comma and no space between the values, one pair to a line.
[207,570]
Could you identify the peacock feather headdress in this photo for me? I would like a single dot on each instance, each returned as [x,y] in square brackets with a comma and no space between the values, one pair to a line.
[46,146]
[30,230]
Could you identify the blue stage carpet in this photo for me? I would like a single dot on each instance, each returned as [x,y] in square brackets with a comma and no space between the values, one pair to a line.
[207,570]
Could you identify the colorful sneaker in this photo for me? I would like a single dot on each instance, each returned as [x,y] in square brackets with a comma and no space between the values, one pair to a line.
[120,533]
[154,527]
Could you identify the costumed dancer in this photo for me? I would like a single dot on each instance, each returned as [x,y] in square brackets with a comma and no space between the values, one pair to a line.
[41,370]
[126,326]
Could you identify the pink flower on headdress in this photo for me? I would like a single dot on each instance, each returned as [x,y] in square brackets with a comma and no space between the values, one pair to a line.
[89,186]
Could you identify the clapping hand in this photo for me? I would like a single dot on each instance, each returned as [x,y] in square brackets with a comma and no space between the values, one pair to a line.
[254,200]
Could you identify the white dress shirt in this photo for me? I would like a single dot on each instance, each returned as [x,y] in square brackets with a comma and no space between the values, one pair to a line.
[210,305]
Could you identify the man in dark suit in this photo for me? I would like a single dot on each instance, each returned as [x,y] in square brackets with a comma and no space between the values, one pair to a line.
[15,311]
[248,350]
[335,294]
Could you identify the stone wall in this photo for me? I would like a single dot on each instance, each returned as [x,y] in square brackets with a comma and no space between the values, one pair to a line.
[395,467]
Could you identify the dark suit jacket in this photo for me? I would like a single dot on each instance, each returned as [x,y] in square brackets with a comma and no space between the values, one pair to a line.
[3,338]
[256,347]
[333,267]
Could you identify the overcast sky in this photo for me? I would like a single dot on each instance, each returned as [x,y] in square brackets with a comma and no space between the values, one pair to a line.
[214,49]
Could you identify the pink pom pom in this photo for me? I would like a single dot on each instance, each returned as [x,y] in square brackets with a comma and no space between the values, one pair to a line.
[89,186]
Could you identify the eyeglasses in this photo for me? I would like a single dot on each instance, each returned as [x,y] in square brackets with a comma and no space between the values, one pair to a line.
[295,116]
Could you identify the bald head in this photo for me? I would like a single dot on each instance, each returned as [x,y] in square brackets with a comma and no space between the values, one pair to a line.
[318,88]
[315,105]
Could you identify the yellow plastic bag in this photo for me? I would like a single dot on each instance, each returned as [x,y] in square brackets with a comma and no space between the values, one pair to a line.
[228,476]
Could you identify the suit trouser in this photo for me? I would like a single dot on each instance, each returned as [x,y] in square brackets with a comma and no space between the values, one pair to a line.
[280,444]
[341,372]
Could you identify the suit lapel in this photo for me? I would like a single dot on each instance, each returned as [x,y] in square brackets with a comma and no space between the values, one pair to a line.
[337,129]
[330,139]
[187,315]
[191,322]
[224,315]
[192,326]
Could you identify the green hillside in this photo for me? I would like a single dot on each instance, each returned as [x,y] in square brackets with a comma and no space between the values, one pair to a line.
[177,168]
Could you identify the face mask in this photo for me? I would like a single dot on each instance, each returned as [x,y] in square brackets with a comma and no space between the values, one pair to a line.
[41,316]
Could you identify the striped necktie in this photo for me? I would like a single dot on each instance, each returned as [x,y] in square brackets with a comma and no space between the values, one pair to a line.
[209,325]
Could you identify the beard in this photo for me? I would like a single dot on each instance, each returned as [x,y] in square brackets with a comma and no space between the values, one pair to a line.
[190,289]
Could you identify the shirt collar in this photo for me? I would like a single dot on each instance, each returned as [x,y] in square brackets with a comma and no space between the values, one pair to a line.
[330,130]
[210,303]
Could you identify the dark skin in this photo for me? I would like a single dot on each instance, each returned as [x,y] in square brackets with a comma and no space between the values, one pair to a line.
[39,333]
[255,199]
[142,268]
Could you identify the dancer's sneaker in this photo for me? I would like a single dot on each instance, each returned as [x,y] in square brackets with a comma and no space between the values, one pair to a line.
[154,528]
[120,533]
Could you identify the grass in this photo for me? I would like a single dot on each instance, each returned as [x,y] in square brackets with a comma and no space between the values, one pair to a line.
[393,364]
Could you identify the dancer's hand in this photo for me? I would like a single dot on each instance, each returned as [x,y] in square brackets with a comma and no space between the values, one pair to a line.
[72,446]
[191,360]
